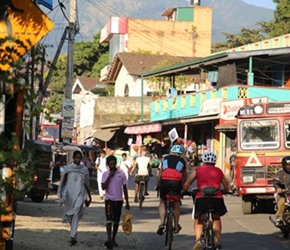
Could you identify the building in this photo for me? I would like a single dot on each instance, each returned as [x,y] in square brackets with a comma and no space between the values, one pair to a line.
[185,31]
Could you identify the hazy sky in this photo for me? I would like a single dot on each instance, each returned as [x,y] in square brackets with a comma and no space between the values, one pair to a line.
[263,3]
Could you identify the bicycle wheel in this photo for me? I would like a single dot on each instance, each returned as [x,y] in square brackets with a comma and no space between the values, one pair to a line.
[141,195]
[209,236]
[169,229]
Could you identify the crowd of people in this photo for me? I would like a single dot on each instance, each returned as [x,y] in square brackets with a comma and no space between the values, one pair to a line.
[113,178]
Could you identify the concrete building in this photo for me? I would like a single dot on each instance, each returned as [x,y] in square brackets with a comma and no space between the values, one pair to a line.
[186,31]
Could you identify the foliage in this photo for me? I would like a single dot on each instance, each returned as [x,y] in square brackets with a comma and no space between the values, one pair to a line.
[17,80]
[181,81]
[235,40]
[277,27]
[281,23]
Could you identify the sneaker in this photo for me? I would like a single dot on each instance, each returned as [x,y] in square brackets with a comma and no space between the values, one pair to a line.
[73,241]
[279,223]
[197,245]
[146,194]
[161,229]
[136,199]
[177,230]
[109,244]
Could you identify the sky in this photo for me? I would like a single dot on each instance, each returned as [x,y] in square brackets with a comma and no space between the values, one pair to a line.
[262,3]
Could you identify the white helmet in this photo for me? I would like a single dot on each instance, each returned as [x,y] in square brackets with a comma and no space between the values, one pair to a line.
[209,157]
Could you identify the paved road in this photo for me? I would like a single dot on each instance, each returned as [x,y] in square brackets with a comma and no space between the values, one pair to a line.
[38,227]
[240,232]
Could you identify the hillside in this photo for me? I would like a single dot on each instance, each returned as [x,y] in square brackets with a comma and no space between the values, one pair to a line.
[227,16]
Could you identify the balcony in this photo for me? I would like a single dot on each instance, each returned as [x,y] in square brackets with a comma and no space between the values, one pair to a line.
[208,102]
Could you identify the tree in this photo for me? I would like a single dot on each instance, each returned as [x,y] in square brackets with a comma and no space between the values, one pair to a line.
[281,23]
[235,40]
[89,59]
[181,82]
[18,98]
[277,27]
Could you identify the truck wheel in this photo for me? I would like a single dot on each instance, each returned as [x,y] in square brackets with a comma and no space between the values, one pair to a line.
[247,207]
[37,198]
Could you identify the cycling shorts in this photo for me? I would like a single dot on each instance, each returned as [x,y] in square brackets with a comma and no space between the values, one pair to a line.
[203,204]
[139,178]
[170,187]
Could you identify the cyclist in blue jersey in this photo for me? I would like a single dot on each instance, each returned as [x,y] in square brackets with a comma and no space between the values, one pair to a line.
[170,179]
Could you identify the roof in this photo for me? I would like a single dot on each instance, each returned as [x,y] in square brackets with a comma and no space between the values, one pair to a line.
[88,83]
[212,61]
[136,63]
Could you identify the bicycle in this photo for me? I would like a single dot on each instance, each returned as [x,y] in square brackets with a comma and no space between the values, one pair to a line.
[141,193]
[169,220]
[208,233]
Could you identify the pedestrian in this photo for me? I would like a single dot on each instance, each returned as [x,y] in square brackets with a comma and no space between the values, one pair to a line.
[115,183]
[73,192]
[125,165]
[101,166]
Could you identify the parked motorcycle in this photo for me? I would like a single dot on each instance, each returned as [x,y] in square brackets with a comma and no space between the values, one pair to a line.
[285,225]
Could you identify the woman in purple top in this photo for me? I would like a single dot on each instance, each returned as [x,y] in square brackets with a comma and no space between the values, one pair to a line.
[113,181]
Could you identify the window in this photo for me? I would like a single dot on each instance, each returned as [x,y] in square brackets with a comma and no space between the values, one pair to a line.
[259,134]
[126,90]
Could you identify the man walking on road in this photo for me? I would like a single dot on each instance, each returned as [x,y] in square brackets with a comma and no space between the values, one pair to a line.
[113,182]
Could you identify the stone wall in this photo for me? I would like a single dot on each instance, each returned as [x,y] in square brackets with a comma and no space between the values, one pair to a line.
[112,110]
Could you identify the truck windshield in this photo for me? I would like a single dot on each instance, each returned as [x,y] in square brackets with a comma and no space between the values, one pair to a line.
[259,134]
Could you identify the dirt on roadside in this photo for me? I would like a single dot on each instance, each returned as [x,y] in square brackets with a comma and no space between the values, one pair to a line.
[39,227]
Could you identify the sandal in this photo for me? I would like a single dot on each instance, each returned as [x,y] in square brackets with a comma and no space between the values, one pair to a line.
[161,229]
[109,244]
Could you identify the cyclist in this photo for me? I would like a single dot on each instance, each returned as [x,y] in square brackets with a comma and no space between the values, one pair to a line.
[172,175]
[142,163]
[284,180]
[207,175]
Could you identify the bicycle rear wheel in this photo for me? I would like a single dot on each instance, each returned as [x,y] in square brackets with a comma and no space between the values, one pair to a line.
[209,236]
[141,195]
[169,229]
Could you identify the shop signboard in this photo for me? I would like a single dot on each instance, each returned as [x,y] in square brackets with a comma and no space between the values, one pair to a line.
[229,109]
[210,107]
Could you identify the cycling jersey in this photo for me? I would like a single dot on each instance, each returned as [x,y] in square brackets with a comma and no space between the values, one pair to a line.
[207,175]
[172,168]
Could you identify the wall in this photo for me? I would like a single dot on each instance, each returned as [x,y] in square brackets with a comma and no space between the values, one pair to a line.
[176,38]
[133,82]
[112,110]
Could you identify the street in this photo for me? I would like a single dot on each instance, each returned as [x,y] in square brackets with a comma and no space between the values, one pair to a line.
[38,227]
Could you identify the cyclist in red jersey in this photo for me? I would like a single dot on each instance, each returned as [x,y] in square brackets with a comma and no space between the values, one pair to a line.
[207,175]
[170,179]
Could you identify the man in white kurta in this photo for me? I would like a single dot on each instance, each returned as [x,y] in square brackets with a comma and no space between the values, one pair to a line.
[73,190]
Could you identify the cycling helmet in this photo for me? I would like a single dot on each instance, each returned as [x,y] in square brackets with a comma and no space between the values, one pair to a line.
[178,149]
[209,157]
[285,162]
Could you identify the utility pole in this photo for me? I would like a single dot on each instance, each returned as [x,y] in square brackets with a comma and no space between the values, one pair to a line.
[73,29]
[67,125]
